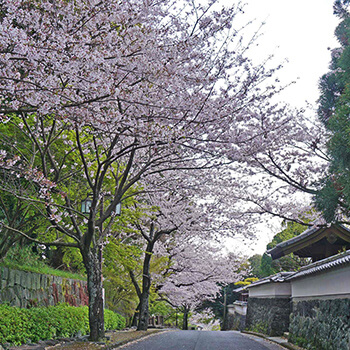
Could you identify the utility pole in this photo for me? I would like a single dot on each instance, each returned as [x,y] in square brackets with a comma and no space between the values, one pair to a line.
[224,322]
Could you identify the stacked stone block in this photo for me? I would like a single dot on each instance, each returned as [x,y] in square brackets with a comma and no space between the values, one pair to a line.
[236,321]
[28,289]
[321,324]
[268,315]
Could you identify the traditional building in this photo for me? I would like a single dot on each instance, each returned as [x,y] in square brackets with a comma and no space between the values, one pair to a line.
[312,304]
[316,243]
[237,312]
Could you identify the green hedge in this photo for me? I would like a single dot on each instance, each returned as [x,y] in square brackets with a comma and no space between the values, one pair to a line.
[19,326]
[113,320]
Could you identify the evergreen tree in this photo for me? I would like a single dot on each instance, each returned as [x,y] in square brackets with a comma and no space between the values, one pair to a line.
[263,266]
[333,198]
[255,264]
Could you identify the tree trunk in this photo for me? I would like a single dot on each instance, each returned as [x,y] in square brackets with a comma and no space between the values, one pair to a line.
[136,316]
[144,312]
[146,285]
[185,319]
[93,265]
[56,257]
[224,321]
[7,239]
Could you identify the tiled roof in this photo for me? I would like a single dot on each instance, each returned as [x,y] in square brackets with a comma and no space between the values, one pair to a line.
[277,278]
[322,265]
[317,224]
[241,289]
[334,261]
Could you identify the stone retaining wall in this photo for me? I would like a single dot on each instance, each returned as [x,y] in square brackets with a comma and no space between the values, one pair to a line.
[27,289]
[236,322]
[236,315]
[268,315]
[321,324]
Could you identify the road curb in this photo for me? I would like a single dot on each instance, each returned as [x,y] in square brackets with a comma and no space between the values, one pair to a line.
[285,344]
[126,342]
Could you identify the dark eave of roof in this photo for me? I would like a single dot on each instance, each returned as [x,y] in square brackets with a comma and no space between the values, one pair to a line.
[310,235]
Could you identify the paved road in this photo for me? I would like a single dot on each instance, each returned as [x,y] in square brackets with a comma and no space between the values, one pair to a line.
[200,340]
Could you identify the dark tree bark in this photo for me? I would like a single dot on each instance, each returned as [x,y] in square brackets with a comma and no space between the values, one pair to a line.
[136,316]
[185,318]
[144,313]
[146,285]
[144,292]
[93,264]
[224,318]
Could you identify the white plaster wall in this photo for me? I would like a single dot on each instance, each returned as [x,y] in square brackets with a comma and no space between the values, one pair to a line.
[240,308]
[270,290]
[231,309]
[332,283]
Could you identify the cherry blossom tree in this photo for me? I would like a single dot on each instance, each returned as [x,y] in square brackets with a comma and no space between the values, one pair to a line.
[197,273]
[170,213]
[274,175]
[174,218]
[205,320]
[152,235]
[103,95]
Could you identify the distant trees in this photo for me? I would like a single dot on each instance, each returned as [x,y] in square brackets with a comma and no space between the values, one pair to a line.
[167,217]
[197,274]
[263,265]
[218,304]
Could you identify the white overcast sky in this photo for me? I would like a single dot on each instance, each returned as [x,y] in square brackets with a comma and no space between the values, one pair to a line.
[301,31]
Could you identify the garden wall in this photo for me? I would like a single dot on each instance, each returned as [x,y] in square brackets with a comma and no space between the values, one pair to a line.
[236,315]
[321,324]
[268,315]
[236,322]
[27,289]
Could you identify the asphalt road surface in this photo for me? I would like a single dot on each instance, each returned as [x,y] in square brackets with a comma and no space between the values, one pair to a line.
[201,340]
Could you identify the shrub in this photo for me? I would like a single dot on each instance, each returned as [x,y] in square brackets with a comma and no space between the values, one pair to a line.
[40,324]
[68,320]
[113,320]
[24,259]
[19,326]
[13,325]
[18,255]
[260,327]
